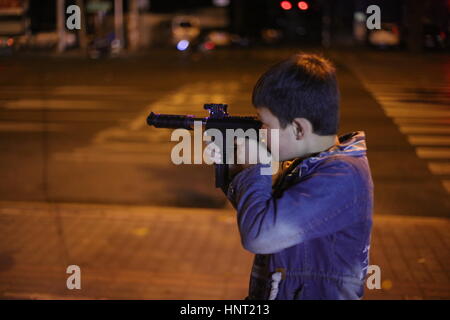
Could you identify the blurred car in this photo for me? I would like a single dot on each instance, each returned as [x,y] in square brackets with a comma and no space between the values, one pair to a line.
[102,46]
[387,36]
[216,39]
[46,40]
[7,45]
[434,37]
[12,25]
[185,29]
[213,39]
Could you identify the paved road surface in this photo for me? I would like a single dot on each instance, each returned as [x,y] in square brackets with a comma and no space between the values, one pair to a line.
[74,130]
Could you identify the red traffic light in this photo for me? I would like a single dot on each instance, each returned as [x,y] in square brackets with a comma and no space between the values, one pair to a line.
[303,5]
[286,5]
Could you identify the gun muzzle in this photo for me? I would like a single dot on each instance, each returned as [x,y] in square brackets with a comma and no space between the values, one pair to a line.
[171,121]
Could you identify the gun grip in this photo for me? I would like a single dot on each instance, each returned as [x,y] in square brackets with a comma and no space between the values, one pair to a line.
[222,176]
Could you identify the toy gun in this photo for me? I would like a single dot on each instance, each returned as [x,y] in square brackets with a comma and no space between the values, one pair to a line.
[218,119]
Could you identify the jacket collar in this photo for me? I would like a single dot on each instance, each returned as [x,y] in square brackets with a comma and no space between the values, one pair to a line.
[351,144]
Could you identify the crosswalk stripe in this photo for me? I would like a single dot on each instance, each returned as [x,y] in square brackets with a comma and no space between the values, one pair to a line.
[411,113]
[439,168]
[94,90]
[446,184]
[131,141]
[135,143]
[416,129]
[124,158]
[422,121]
[119,147]
[433,153]
[30,127]
[416,107]
[422,113]
[189,98]
[422,140]
[56,104]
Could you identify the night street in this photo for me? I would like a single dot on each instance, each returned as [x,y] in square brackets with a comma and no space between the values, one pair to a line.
[75,130]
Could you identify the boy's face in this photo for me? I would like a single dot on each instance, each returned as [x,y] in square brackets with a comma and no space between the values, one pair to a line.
[289,145]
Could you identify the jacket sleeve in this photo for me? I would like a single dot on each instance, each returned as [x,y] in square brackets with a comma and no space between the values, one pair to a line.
[320,204]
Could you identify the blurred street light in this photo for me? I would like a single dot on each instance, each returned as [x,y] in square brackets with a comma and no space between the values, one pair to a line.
[286,5]
[221,3]
[303,5]
[182,45]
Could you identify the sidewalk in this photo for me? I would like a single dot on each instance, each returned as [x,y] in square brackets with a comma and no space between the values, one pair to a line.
[132,252]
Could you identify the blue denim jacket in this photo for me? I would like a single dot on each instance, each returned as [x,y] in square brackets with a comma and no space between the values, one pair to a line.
[311,235]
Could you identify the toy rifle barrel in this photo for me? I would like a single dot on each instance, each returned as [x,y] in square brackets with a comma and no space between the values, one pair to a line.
[172,121]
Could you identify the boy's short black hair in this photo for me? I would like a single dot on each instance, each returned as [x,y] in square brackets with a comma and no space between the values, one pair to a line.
[303,86]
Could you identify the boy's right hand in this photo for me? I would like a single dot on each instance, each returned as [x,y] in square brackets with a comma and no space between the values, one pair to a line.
[243,158]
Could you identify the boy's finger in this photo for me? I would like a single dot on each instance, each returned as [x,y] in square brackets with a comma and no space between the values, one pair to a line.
[240,141]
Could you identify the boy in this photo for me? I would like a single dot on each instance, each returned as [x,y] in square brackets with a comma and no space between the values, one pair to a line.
[310,230]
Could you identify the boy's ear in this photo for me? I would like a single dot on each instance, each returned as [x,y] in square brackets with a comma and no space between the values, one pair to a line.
[301,127]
